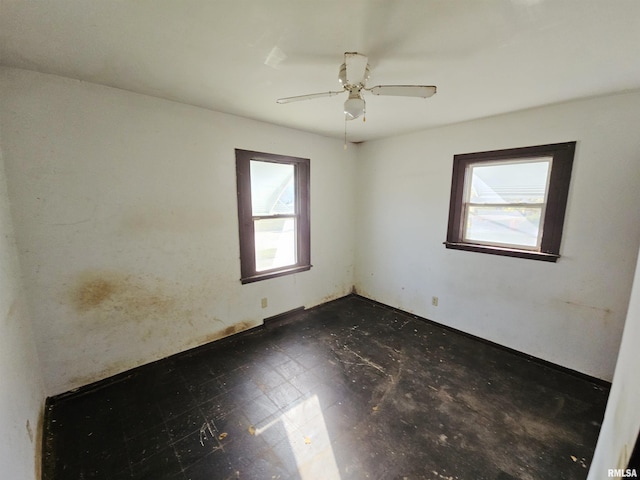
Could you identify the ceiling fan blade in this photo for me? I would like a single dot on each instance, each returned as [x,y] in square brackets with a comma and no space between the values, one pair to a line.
[310,96]
[356,67]
[423,91]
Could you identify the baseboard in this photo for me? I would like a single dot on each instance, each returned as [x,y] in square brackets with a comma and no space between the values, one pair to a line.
[282,318]
[554,366]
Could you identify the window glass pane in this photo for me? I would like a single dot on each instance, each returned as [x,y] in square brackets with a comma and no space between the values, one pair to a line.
[275,243]
[272,188]
[504,225]
[518,182]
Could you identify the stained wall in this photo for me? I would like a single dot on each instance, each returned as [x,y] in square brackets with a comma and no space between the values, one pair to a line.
[571,312]
[21,386]
[125,217]
[621,426]
[126,222]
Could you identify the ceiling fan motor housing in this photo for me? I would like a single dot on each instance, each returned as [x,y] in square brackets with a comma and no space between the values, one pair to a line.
[342,77]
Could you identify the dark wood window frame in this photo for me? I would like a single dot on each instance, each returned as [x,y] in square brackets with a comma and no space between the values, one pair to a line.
[246,220]
[558,191]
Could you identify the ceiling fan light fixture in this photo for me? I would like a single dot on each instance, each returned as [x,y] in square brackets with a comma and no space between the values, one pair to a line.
[354,106]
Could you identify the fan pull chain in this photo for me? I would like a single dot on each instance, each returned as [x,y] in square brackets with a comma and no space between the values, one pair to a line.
[345,132]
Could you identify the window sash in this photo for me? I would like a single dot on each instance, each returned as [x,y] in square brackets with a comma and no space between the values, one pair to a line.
[278,252]
[494,191]
[530,206]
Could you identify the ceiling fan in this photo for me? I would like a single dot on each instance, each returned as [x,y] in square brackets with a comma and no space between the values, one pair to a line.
[353,76]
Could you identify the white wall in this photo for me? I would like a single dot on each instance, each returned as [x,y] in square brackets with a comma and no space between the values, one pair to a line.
[622,418]
[21,388]
[571,312]
[127,223]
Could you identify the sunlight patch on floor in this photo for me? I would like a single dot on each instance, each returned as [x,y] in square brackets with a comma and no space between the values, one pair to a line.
[308,439]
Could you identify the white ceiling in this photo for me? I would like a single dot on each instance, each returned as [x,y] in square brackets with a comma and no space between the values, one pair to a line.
[486,56]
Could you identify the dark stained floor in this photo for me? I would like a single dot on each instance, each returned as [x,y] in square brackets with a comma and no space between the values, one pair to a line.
[347,390]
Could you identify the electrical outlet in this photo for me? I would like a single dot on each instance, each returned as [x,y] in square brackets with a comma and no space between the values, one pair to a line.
[434,301]
[263,302]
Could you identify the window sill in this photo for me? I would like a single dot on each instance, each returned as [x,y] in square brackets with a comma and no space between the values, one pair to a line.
[504,251]
[275,273]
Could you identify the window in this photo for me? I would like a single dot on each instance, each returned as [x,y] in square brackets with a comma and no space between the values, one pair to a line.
[273,214]
[511,202]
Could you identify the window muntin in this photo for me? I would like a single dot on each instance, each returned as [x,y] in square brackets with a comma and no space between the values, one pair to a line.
[273,214]
[511,202]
